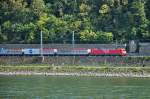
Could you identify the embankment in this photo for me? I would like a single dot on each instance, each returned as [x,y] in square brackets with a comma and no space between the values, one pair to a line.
[111,61]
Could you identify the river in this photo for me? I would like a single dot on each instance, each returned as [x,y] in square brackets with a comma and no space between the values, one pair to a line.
[60,87]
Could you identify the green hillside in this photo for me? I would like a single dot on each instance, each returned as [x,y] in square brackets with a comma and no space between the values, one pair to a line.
[96,21]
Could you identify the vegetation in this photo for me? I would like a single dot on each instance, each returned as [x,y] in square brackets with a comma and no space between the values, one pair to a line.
[101,21]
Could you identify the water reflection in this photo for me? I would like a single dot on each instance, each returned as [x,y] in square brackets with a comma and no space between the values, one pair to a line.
[59,87]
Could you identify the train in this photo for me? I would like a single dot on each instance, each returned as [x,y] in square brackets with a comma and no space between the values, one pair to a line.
[62,52]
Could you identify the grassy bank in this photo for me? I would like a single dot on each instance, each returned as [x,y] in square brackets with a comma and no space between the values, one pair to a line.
[75,69]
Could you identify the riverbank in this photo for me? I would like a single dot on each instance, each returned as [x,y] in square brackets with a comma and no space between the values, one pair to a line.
[114,61]
[78,74]
[76,71]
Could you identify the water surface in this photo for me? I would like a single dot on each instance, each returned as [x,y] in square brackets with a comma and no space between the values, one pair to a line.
[59,87]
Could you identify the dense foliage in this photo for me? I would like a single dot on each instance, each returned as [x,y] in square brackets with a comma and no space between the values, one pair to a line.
[100,21]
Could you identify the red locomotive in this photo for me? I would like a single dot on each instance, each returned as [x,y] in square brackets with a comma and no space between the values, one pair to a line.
[119,52]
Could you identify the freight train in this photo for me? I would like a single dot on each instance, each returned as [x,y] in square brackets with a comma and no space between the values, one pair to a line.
[60,52]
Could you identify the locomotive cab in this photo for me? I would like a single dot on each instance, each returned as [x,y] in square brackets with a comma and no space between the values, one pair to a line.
[122,51]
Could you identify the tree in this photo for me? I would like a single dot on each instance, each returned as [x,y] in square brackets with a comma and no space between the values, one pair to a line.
[104,9]
[88,35]
[140,20]
[14,10]
[37,7]
[138,12]
[147,9]
[104,37]
[84,9]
